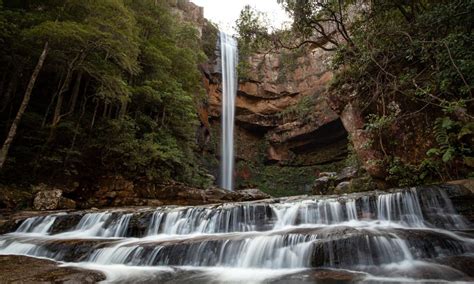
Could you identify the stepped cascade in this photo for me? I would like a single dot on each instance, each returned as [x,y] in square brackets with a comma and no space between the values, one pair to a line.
[408,234]
[228,47]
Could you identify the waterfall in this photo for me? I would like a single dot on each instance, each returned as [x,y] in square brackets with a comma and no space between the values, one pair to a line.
[229,91]
[397,235]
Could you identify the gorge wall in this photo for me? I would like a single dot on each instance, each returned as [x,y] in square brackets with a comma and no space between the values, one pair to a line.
[286,131]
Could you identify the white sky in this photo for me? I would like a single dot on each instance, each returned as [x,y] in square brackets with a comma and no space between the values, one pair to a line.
[226,12]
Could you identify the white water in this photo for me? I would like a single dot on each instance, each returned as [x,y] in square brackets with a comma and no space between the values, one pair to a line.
[229,54]
[366,234]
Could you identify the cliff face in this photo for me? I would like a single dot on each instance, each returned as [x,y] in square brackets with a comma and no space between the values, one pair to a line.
[286,132]
[189,12]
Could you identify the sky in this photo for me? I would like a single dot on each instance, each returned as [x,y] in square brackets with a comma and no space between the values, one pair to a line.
[226,12]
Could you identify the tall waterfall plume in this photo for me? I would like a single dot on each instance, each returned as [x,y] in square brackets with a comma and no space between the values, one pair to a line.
[229,60]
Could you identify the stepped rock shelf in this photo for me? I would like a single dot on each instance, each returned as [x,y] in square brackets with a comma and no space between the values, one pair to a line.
[406,235]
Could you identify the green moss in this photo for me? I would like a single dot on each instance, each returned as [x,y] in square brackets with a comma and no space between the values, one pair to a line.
[279,180]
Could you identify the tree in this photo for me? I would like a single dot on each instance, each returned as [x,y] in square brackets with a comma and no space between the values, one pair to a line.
[26,99]
[116,95]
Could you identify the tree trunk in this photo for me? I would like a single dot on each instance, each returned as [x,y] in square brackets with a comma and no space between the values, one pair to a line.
[95,114]
[24,104]
[11,89]
[59,102]
[2,83]
[51,102]
[75,93]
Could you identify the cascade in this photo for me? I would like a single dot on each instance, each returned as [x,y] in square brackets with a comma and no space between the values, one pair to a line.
[397,236]
[228,47]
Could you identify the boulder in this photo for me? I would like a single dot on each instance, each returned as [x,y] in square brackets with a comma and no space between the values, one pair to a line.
[52,199]
[358,184]
[48,199]
[251,194]
[328,174]
[343,187]
[347,174]
[323,185]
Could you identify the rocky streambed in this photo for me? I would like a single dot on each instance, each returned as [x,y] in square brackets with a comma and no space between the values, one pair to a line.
[406,235]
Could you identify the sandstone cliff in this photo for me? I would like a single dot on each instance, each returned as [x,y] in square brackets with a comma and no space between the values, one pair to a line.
[286,131]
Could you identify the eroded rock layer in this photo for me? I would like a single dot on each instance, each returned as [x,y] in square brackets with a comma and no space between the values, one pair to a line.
[284,124]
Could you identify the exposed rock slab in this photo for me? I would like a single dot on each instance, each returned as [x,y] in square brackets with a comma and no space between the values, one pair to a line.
[23,269]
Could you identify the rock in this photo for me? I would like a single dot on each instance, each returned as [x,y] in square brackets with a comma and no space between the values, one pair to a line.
[347,174]
[463,263]
[327,174]
[48,199]
[283,119]
[360,184]
[371,157]
[461,193]
[52,200]
[153,202]
[66,203]
[251,194]
[343,187]
[12,197]
[321,276]
[22,269]
[323,185]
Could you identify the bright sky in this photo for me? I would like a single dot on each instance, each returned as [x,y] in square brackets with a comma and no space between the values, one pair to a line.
[226,12]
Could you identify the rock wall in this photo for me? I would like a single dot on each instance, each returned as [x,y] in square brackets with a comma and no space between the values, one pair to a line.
[286,132]
[189,12]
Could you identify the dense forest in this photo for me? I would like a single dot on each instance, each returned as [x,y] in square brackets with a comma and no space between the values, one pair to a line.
[405,69]
[91,88]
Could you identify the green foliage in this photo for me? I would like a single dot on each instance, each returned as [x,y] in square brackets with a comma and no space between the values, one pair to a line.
[210,34]
[252,27]
[404,174]
[419,58]
[303,110]
[451,139]
[123,75]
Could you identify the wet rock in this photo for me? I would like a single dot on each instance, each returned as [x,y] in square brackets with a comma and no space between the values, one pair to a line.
[73,250]
[322,276]
[346,247]
[138,224]
[461,263]
[22,269]
[461,193]
[65,222]
[417,270]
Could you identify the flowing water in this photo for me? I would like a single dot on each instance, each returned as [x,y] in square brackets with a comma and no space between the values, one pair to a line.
[229,54]
[405,236]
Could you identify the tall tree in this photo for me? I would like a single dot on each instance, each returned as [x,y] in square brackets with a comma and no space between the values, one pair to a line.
[26,99]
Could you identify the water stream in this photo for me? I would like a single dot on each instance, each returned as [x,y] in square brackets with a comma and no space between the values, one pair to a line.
[398,237]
